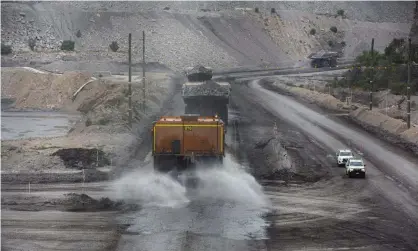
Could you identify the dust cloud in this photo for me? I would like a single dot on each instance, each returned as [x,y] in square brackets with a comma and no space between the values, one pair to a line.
[230,182]
[149,188]
[227,182]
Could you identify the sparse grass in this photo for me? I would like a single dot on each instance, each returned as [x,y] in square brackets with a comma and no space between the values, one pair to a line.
[333,29]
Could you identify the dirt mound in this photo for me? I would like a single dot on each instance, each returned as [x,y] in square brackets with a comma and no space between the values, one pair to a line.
[37,90]
[72,202]
[379,120]
[75,202]
[104,102]
[82,158]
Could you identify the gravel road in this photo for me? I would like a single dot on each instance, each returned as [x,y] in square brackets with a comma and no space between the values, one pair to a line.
[389,194]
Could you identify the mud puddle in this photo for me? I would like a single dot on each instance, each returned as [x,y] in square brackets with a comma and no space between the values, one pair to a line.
[22,125]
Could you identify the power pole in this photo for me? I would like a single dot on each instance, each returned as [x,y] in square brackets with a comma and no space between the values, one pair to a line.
[408,91]
[143,70]
[370,79]
[130,80]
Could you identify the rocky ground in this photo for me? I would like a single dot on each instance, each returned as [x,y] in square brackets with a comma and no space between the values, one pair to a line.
[204,27]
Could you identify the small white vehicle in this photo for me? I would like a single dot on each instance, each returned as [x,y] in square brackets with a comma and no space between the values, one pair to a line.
[355,167]
[343,156]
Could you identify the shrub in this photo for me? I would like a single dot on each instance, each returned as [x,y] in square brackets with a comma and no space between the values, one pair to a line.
[340,13]
[78,34]
[333,29]
[330,43]
[256,10]
[114,46]
[88,122]
[6,49]
[67,45]
[32,43]
[273,10]
[312,32]
[343,44]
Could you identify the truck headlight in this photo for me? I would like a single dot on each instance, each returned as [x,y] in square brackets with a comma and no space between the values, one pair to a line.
[350,169]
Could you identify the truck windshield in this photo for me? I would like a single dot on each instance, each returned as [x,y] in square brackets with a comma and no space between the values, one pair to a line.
[345,154]
[356,163]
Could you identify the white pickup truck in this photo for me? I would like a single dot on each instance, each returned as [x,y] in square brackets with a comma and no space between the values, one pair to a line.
[355,167]
[343,156]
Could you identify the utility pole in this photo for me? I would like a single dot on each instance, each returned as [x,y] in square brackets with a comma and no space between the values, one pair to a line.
[408,91]
[143,70]
[130,80]
[370,79]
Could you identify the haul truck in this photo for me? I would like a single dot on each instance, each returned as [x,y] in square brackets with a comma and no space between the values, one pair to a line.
[179,142]
[204,96]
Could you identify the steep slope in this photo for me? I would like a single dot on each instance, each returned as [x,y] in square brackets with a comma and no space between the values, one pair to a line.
[177,39]
[181,34]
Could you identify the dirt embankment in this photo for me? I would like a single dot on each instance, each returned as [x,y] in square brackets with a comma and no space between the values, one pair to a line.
[98,143]
[393,130]
[33,89]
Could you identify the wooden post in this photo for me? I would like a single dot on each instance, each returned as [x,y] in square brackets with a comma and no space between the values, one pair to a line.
[143,70]
[408,88]
[370,80]
[130,80]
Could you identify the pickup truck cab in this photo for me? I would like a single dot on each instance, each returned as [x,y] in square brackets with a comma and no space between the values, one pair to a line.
[355,167]
[343,156]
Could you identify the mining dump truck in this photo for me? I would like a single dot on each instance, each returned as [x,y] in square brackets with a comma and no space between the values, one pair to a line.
[181,142]
[203,96]
[323,59]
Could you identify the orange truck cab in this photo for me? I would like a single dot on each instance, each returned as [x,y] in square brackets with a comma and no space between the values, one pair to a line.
[179,141]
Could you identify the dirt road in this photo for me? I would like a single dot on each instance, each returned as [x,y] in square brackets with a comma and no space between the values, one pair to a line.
[335,212]
[310,205]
